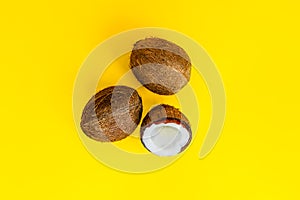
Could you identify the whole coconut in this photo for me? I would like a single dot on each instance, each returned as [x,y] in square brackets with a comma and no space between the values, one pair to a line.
[160,65]
[112,114]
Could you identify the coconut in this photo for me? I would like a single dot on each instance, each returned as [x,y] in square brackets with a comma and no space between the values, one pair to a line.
[160,65]
[165,131]
[112,114]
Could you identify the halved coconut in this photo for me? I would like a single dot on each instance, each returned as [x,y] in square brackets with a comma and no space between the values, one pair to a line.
[165,131]
[161,66]
[112,114]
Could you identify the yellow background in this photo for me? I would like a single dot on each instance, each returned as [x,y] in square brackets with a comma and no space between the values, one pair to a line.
[255,45]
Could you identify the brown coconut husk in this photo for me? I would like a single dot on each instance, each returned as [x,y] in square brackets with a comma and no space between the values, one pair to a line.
[112,114]
[161,66]
[164,113]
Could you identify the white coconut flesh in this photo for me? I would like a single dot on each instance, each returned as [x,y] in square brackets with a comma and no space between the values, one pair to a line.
[165,139]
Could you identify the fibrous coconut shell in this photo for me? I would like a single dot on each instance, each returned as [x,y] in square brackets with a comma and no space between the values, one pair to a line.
[160,65]
[112,114]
